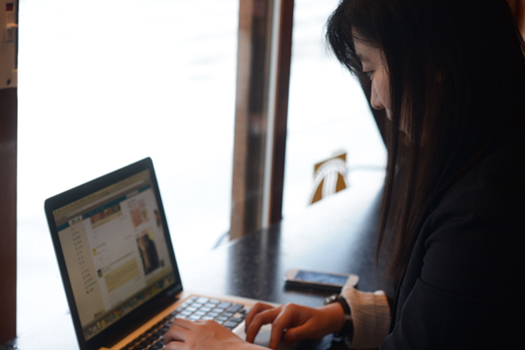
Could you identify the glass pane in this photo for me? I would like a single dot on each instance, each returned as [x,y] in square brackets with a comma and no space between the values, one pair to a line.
[103,84]
[328,112]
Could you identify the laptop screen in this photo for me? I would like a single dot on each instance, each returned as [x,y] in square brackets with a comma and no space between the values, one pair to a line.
[115,251]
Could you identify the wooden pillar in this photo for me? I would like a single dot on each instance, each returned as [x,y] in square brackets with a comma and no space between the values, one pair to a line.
[263,73]
[8,151]
[281,111]
[8,166]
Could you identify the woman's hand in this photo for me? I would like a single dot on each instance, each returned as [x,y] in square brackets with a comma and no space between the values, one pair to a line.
[203,335]
[292,322]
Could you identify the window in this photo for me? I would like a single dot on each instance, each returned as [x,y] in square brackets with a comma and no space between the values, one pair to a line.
[328,111]
[102,85]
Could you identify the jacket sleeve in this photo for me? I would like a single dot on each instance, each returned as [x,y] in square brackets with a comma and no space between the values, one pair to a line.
[462,288]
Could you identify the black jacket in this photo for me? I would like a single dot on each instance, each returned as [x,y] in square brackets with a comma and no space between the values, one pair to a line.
[463,285]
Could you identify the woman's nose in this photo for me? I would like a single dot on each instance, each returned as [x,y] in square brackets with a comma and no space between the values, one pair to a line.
[374,100]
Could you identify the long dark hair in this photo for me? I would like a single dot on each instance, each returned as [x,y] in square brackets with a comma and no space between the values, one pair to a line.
[457,79]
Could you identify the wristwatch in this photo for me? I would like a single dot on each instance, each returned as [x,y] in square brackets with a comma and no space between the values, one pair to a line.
[348,327]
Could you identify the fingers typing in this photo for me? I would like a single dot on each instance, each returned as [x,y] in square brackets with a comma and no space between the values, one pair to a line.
[258,320]
[257,308]
[176,333]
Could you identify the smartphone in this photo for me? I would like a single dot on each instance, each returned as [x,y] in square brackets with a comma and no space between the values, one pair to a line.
[326,281]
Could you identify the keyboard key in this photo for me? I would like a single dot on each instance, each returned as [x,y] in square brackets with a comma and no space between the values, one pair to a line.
[230,324]
[156,346]
[224,305]
[235,308]
[200,308]
[143,345]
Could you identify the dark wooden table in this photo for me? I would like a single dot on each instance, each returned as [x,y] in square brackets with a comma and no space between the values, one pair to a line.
[337,234]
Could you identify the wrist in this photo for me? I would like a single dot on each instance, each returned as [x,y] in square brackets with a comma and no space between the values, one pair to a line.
[347,327]
[335,313]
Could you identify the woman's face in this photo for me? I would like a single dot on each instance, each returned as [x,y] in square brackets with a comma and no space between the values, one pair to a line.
[374,66]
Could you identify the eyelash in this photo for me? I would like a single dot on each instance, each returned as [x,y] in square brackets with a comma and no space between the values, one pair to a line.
[369,74]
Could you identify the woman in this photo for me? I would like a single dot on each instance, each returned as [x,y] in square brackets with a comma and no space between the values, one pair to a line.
[450,75]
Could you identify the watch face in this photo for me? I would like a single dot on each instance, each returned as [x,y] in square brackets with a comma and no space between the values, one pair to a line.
[330,299]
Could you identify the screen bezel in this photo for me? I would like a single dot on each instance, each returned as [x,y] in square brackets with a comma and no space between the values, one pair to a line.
[114,332]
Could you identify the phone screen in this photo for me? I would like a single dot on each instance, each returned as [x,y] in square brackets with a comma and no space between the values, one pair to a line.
[321,277]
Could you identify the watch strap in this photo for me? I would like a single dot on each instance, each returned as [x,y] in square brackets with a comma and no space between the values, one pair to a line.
[348,326]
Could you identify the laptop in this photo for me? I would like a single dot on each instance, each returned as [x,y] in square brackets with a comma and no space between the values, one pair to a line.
[118,265]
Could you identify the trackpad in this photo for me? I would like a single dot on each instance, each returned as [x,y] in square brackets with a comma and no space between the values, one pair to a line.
[263,338]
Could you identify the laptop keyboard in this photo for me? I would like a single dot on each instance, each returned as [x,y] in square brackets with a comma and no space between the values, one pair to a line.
[197,308]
